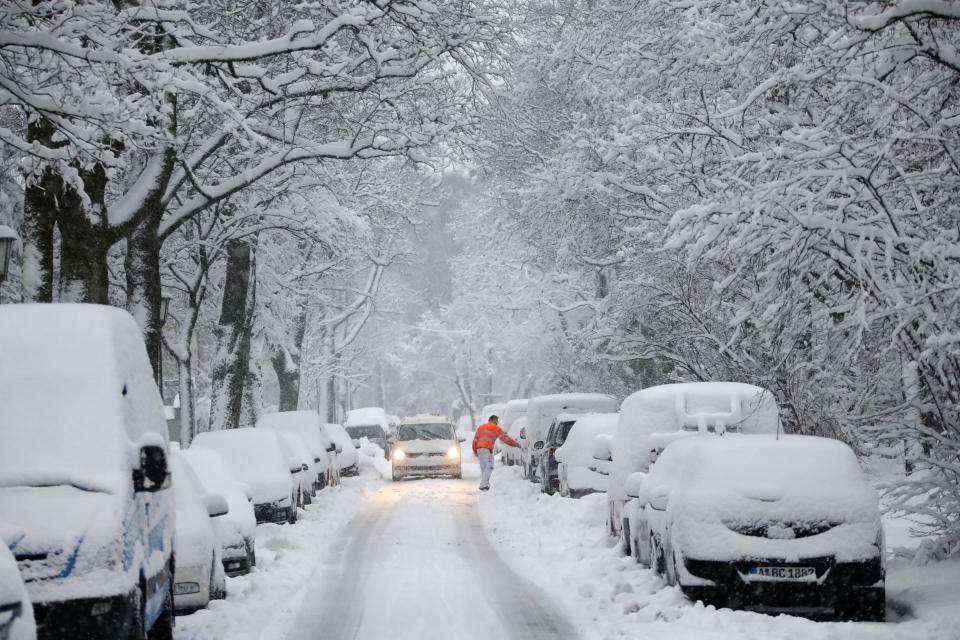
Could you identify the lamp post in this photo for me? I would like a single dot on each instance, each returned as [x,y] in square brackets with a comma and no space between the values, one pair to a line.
[7,237]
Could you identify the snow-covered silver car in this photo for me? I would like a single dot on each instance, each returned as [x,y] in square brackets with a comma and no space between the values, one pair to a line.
[779,524]
[426,446]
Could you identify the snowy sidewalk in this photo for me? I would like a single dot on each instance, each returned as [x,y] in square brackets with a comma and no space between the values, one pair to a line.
[561,544]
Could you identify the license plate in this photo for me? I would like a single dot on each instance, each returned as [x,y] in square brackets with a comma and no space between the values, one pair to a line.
[784,573]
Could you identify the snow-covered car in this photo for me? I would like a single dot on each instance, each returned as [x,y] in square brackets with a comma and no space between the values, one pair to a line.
[513,412]
[347,457]
[781,524]
[540,414]
[426,446]
[370,423]
[84,471]
[257,459]
[547,463]
[16,612]
[308,426]
[302,467]
[198,576]
[236,530]
[574,455]
[653,417]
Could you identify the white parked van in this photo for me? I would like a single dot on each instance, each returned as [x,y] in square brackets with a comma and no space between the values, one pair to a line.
[540,414]
[652,418]
[308,426]
[370,423]
[84,471]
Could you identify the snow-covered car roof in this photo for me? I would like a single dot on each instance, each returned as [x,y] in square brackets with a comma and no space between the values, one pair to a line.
[294,446]
[216,477]
[306,424]
[367,416]
[746,477]
[561,400]
[578,447]
[495,409]
[255,457]
[79,365]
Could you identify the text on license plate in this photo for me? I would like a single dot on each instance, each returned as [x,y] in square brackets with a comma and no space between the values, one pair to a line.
[784,573]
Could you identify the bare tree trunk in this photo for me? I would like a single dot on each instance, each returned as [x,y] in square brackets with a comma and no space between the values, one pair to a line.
[188,427]
[286,364]
[233,333]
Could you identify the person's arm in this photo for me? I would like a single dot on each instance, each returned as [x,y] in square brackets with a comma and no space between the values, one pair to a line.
[475,436]
[507,440]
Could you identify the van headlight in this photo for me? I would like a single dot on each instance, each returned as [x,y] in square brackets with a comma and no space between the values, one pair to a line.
[399,454]
[453,452]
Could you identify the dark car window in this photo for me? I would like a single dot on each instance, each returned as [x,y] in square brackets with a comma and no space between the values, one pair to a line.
[563,432]
[366,431]
[438,431]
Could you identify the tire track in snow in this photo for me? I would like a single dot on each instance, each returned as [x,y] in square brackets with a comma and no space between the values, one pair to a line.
[416,563]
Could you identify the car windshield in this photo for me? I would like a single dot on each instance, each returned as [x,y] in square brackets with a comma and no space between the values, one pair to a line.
[426,432]
[365,431]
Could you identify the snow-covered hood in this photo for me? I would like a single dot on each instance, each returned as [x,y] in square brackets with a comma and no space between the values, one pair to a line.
[427,446]
[67,530]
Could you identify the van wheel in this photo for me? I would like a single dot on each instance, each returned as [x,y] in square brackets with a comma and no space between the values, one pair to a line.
[162,629]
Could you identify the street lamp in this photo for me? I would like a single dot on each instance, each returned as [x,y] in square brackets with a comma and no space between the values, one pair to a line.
[7,237]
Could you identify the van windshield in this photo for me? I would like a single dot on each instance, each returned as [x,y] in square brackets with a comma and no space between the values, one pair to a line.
[438,431]
[365,431]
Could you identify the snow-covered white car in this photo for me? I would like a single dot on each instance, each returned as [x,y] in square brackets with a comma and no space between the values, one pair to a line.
[302,468]
[199,576]
[575,455]
[84,470]
[540,414]
[780,524]
[653,417]
[347,457]
[257,460]
[236,529]
[308,426]
[370,423]
[513,419]
[16,612]
[426,446]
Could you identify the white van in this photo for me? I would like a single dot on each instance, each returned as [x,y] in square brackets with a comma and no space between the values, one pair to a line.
[309,427]
[84,471]
[653,418]
[509,422]
[540,413]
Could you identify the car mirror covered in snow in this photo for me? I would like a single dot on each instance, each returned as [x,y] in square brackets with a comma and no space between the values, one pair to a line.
[538,444]
[216,505]
[659,498]
[601,448]
[154,473]
[634,482]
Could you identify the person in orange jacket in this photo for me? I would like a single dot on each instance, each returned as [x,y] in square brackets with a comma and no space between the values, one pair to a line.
[483,440]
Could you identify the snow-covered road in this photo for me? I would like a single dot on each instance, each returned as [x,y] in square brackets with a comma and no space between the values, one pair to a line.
[417,564]
[435,559]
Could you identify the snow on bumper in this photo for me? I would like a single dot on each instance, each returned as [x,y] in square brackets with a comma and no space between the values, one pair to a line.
[427,465]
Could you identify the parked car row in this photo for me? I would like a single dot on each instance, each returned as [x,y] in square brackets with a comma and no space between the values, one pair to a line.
[704,487]
[108,528]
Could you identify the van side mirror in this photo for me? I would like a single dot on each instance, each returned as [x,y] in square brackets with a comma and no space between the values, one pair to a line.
[461,439]
[216,505]
[331,448]
[154,473]
[538,444]
[523,433]
[294,465]
[304,467]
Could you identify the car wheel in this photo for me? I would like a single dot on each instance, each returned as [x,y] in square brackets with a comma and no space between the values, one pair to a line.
[625,537]
[162,629]
[394,475]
